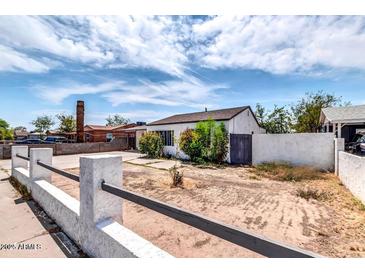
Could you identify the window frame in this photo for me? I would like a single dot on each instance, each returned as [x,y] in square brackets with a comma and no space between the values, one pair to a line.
[167,137]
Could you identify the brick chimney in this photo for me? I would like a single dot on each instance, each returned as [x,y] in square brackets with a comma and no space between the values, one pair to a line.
[80,121]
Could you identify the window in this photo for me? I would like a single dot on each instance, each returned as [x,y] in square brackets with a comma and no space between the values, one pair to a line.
[167,137]
[88,137]
[109,137]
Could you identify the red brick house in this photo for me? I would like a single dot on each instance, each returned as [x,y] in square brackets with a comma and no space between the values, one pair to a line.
[97,133]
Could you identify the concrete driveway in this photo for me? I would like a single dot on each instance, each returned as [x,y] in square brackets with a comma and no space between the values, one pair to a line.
[72,161]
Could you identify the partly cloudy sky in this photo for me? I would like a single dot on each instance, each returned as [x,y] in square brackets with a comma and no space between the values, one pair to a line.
[148,67]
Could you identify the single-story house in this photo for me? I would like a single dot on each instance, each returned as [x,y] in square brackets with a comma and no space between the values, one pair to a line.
[20,134]
[98,133]
[238,121]
[138,131]
[345,122]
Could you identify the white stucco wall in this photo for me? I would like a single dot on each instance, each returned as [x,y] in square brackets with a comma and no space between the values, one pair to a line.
[244,123]
[352,173]
[139,134]
[99,238]
[312,149]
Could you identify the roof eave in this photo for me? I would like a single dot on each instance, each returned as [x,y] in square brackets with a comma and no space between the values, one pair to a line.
[348,121]
[196,121]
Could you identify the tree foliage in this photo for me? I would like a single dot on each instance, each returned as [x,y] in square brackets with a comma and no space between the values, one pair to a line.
[151,144]
[276,121]
[219,146]
[67,123]
[300,117]
[190,144]
[207,142]
[6,133]
[116,120]
[3,124]
[307,111]
[43,123]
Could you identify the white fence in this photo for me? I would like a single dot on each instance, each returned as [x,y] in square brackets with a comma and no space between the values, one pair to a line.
[90,222]
[312,149]
[351,170]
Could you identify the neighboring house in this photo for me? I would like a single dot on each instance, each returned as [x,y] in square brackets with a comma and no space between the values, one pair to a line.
[345,122]
[20,134]
[97,133]
[138,131]
[239,120]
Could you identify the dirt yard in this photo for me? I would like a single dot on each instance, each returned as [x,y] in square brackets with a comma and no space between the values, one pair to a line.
[332,224]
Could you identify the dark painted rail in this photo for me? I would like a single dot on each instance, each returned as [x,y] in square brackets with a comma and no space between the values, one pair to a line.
[53,169]
[246,239]
[22,157]
[59,171]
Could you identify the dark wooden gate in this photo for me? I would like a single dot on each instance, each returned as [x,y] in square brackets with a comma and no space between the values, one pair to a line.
[241,149]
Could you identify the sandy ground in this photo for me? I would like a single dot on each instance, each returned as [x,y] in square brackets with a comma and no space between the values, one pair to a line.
[335,227]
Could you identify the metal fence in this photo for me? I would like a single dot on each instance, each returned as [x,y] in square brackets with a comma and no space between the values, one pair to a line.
[243,238]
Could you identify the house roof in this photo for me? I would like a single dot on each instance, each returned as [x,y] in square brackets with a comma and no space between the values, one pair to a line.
[143,127]
[18,132]
[218,115]
[55,131]
[344,114]
[107,128]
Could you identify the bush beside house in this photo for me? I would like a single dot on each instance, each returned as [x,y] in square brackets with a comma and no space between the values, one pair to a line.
[208,142]
[151,144]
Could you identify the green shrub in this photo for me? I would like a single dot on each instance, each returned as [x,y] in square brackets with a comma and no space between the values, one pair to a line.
[207,143]
[151,144]
[190,144]
[219,147]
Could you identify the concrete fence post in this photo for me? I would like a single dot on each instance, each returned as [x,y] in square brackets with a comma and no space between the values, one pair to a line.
[339,146]
[18,162]
[95,204]
[36,172]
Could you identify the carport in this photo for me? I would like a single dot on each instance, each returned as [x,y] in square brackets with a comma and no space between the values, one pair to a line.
[345,122]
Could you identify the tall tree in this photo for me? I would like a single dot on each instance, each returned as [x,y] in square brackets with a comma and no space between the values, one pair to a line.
[67,123]
[276,121]
[3,123]
[116,120]
[6,133]
[43,123]
[260,114]
[307,111]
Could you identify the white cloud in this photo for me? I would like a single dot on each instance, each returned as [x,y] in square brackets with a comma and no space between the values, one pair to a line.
[281,44]
[101,41]
[49,37]
[167,93]
[174,45]
[58,94]
[12,60]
